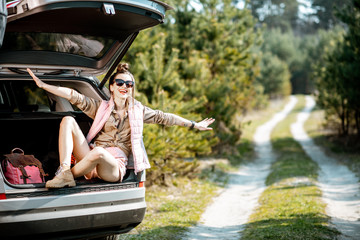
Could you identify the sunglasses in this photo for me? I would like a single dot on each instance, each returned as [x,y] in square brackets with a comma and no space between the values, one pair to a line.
[120,82]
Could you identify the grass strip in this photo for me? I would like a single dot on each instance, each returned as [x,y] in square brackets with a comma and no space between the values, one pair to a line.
[291,206]
[338,147]
[171,210]
[250,123]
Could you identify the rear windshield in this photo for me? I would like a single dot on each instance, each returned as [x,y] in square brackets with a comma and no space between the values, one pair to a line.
[83,45]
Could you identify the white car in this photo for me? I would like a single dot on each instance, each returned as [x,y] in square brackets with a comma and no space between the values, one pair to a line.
[65,43]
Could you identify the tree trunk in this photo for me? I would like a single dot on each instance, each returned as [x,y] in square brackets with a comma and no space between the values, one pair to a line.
[343,118]
[357,122]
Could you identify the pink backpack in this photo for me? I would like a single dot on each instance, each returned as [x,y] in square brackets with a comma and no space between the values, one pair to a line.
[22,169]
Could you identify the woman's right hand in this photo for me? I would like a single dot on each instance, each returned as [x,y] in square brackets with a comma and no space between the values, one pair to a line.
[38,82]
[63,92]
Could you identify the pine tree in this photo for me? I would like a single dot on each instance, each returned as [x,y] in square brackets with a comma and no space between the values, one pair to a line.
[339,88]
[347,62]
[224,37]
[198,64]
[159,87]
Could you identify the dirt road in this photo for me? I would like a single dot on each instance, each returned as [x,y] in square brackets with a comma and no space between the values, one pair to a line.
[227,216]
[340,186]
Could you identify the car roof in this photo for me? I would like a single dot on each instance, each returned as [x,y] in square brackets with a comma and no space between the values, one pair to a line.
[75,30]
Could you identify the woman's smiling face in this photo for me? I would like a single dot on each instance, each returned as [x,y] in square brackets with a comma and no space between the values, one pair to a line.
[121,91]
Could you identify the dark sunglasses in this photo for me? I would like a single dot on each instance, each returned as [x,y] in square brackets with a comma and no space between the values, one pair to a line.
[120,82]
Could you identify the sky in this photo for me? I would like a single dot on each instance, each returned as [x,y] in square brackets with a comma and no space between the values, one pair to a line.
[304,8]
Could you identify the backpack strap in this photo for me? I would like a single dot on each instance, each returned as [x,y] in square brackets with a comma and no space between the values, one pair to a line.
[24,174]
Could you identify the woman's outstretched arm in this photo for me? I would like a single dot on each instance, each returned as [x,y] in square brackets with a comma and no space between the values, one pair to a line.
[202,125]
[56,90]
[169,119]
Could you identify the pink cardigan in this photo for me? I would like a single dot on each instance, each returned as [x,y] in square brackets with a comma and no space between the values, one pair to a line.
[136,120]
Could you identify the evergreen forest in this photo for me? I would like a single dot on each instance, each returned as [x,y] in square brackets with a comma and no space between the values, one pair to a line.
[224,58]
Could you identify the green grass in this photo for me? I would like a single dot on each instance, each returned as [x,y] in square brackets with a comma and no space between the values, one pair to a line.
[257,118]
[343,149]
[250,123]
[171,210]
[291,206]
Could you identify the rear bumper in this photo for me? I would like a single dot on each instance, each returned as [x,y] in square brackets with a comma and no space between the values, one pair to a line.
[70,216]
[74,227]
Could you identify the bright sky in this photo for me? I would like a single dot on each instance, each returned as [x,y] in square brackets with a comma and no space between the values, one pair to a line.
[304,8]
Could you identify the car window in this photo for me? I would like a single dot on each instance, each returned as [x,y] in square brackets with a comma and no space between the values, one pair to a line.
[88,46]
[29,97]
[4,99]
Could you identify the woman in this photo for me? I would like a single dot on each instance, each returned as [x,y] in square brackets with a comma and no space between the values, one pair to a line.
[115,133]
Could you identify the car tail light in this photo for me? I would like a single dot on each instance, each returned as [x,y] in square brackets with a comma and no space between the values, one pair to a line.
[141,184]
[12,7]
[2,196]
[12,3]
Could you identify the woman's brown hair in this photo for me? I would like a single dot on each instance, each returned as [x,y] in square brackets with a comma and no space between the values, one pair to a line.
[123,68]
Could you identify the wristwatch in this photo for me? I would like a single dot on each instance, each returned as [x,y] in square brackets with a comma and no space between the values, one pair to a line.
[192,124]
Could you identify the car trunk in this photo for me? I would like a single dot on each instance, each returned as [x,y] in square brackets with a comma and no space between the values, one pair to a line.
[30,120]
[37,134]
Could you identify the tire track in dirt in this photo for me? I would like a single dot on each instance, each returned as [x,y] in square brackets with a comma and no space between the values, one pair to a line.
[226,217]
[340,186]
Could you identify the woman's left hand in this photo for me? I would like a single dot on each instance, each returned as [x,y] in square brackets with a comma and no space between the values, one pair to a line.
[203,125]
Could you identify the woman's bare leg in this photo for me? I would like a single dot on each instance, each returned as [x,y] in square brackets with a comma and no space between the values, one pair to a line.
[71,140]
[106,165]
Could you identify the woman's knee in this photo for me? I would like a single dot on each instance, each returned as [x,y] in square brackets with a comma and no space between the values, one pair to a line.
[67,122]
[97,154]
